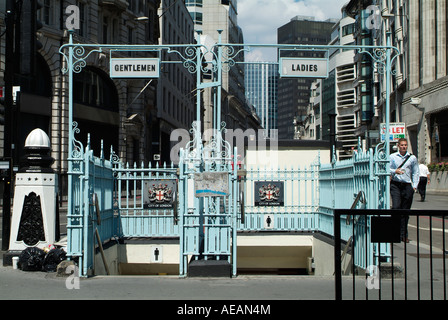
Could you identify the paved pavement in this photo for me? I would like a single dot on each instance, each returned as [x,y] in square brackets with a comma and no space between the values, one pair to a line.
[433,201]
[17,284]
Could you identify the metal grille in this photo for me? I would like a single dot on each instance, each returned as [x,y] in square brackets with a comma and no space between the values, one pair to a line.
[414,270]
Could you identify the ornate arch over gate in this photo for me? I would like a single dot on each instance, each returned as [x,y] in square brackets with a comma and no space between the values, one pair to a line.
[207,224]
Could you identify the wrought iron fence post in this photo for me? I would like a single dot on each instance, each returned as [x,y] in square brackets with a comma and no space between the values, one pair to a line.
[337,256]
[182,205]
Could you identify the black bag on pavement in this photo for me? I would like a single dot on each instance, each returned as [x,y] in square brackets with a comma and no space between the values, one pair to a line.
[31,259]
[52,259]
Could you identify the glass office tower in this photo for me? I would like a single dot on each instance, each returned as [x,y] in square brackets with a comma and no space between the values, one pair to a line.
[261,91]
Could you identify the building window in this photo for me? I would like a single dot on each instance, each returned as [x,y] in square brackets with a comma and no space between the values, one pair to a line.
[151,26]
[82,19]
[115,31]
[193,3]
[197,17]
[141,6]
[132,5]
[94,88]
[45,18]
[105,24]
[348,29]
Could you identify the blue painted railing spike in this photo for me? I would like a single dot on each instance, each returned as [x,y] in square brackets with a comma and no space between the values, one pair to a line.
[333,151]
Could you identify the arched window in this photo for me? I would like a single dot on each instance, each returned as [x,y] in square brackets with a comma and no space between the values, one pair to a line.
[96,109]
[93,87]
[41,84]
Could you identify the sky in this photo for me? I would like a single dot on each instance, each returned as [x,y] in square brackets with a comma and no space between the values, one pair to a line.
[259,20]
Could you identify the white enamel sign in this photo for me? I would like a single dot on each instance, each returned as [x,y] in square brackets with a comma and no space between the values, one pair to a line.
[134,67]
[303,67]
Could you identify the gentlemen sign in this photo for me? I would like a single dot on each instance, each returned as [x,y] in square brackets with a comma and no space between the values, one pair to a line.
[134,67]
[303,67]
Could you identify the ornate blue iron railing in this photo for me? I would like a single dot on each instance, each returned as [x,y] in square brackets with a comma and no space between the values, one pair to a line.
[299,209]
[336,183]
[339,184]
[109,197]
[92,206]
[137,219]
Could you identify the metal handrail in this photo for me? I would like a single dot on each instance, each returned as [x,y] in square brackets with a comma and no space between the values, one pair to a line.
[360,197]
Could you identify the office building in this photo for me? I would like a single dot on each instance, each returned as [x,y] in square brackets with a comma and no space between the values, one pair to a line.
[127,114]
[261,91]
[375,22]
[209,16]
[294,94]
[425,103]
[176,103]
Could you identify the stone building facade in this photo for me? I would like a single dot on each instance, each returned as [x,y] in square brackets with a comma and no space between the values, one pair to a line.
[419,82]
[114,112]
[425,102]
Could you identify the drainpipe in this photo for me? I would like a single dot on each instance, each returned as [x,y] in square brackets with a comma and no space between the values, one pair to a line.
[332,136]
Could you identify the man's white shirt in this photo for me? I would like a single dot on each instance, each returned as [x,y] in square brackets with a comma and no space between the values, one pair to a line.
[411,169]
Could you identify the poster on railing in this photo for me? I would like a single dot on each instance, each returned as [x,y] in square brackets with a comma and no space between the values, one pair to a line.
[211,184]
[159,194]
[269,193]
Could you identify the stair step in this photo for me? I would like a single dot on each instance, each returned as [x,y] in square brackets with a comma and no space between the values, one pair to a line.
[209,268]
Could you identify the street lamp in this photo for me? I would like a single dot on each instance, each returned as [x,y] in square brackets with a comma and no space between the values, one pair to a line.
[388,75]
[387,107]
[416,103]
[144,19]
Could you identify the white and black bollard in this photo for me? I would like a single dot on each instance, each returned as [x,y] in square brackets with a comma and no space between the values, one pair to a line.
[35,197]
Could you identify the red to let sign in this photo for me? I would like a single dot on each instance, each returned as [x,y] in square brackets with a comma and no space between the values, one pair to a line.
[397,130]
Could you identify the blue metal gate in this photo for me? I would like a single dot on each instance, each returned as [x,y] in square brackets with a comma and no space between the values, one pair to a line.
[138,216]
[300,199]
[91,211]
[366,175]
[207,222]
